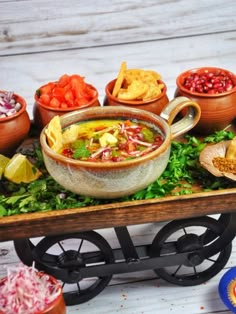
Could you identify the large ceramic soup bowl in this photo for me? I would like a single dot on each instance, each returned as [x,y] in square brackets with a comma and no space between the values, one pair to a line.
[112,179]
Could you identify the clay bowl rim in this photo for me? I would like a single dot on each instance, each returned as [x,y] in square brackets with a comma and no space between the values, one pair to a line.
[52,280]
[38,102]
[182,75]
[19,99]
[109,112]
[133,102]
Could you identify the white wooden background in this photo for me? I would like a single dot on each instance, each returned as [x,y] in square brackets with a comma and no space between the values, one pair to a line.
[42,39]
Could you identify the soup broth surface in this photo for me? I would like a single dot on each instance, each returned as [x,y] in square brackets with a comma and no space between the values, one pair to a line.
[112,140]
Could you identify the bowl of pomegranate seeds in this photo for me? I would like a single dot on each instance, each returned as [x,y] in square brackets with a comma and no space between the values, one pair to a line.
[14,121]
[214,89]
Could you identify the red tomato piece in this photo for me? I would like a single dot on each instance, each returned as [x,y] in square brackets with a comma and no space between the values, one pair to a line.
[81,101]
[69,98]
[91,92]
[45,99]
[58,93]
[77,86]
[54,103]
[64,105]
[47,89]
[63,80]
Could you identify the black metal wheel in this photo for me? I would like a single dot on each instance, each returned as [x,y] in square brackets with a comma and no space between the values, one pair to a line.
[186,236]
[62,256]
[24,249]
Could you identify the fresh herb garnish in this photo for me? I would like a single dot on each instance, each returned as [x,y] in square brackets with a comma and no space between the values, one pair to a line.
[181,175]
[81,152]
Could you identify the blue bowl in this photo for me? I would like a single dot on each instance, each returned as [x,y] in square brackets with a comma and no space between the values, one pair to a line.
[227,289]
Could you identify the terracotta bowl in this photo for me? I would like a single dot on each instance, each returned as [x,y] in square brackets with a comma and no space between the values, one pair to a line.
[57,306]
[14,129]
[116,179]
[42,114]
[218,110]
[154,105]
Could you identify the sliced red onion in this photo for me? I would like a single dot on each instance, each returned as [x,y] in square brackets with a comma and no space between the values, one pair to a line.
[8,105]
[25,291]
[147,144]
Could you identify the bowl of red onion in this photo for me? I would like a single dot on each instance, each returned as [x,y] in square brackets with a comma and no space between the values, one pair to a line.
[14,122]
[214,89]
[26,290]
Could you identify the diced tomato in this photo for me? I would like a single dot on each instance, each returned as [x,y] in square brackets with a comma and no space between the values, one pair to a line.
[64,105]
[91,92]
[81,101]
[45,99]
[77,86]
[69,98]
[64,80]
[131,146]
[54,103]
[128,123]
[58,93]
[47,89]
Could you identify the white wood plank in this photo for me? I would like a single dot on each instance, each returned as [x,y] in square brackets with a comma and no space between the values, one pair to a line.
[42,25]
[24,74]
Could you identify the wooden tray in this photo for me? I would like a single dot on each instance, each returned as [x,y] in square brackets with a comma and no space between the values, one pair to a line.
[117,214]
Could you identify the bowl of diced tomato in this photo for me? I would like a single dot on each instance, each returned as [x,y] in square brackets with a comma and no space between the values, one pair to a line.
[68,93]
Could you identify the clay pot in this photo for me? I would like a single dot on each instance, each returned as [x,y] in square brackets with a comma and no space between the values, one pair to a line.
[218,110]
[57,306]
[42,114]
[14,129]
[154,105]
[116,179]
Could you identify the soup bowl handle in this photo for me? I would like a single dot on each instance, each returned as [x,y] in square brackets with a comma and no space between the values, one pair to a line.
[189,111]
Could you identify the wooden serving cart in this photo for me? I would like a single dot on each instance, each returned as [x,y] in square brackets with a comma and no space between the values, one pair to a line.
[211,247]
[192,247]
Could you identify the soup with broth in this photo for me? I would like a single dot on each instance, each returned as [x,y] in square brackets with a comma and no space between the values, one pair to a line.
[112,140]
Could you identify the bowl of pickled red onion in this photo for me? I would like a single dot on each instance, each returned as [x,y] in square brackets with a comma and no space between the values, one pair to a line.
[214,89]
[26,290]
[14,121]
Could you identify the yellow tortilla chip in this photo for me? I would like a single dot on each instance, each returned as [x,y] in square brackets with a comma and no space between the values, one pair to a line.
[54,134]
[120,79]
[135,90]
[231,150]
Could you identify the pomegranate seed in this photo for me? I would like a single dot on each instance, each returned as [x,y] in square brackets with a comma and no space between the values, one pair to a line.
[209,82]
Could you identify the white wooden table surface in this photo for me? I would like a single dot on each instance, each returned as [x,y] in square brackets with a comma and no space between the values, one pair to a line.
[42,39]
